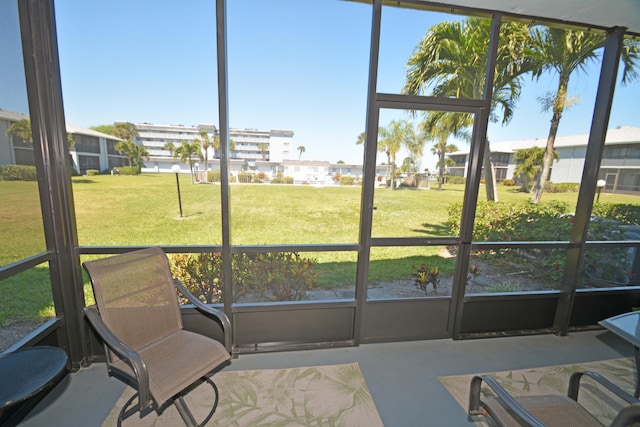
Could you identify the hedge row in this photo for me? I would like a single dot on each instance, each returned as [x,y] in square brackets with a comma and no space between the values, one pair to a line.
[18,173]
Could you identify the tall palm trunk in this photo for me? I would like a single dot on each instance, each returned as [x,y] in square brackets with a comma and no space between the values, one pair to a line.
[558,108]
[440,169]
[390,169]
[489,175]
[393,173]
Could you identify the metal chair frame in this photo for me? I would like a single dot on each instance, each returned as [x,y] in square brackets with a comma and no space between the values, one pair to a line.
[138,378]
[523,417]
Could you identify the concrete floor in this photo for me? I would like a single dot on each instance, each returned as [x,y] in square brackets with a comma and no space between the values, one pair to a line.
[402,377]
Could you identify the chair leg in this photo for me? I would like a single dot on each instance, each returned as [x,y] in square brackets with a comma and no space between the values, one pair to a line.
[126,412]
[185,412]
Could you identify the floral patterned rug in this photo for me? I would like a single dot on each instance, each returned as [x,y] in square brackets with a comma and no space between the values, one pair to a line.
[334,395]
[555,380]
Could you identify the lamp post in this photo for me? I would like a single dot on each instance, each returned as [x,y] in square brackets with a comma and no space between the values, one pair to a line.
[600,185]
[176,169]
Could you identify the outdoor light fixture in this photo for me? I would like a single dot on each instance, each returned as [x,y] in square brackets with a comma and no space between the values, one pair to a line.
[600,185]
[176,169]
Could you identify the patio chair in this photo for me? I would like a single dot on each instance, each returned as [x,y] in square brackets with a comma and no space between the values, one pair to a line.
[138,318]
[548,410]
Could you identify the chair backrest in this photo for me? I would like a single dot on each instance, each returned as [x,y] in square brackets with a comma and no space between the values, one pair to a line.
[136,296]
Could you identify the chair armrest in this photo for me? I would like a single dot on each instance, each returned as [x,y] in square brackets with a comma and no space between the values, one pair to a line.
[574,386]
[128,355]
[218,314]
[515,409]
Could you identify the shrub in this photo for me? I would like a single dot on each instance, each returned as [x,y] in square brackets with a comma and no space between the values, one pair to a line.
[347,180]
[261,176]
[454,180]
[508,182]
[625,213]
[281,276]
[245,177]
[200,273]
[129,170]
[562,187]
[282,180]
[499,222]
[93,172]
[213,176]
[18,173]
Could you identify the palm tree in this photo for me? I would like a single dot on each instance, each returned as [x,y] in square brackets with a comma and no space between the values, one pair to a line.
[188,152]
[133,152]
[170,147]
[381,147]
[301,149]
[529,164]
[22,129]
[125,130]
[264,148]
[140,154]
[398,134]
[451,61]
[409,165]
[564,52]
[205,143]
[439,126]
[216,146]
[441,148]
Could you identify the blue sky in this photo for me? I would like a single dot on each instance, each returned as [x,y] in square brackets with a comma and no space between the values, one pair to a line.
[293,64]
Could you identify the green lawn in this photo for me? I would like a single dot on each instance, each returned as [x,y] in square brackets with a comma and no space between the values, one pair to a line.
[143,210]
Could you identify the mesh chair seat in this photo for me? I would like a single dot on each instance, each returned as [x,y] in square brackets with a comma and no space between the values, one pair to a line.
[168,376]
[551,410]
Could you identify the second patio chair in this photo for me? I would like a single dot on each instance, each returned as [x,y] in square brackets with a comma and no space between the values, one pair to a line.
[548,410]
[138,318]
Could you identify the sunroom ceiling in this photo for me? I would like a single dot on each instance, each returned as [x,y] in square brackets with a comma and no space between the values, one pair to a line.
[597,13]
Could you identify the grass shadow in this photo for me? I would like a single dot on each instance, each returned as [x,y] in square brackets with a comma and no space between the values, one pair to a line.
[436,230]
[83,181]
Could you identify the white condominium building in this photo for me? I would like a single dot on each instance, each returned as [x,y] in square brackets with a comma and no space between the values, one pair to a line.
[248,145]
